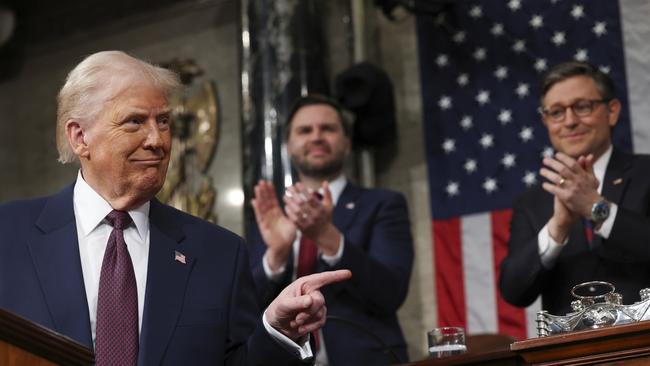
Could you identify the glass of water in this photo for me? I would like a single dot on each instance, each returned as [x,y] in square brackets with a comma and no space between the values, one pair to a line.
[446,341]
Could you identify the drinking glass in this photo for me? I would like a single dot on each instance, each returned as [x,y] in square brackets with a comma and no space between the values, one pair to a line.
[446,341]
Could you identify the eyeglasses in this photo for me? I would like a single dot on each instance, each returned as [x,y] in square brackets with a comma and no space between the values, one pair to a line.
[581,108]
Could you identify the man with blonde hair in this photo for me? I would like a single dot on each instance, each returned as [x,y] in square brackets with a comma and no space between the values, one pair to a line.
[106,264]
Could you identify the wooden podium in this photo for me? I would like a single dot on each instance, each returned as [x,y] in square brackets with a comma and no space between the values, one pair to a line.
[624,345]
[627,344]
[25,343]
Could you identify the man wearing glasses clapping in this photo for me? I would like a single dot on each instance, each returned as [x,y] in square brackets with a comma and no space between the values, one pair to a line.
[589,219]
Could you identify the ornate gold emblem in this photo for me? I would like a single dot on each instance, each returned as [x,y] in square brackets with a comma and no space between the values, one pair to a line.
[195,133]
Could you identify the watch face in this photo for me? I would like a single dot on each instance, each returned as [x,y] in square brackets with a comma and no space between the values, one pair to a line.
[600,211]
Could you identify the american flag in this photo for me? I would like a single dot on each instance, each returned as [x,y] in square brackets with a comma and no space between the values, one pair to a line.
[481,62]
[179,257]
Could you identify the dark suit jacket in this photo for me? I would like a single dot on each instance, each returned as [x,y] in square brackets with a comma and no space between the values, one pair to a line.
[203,312]
[379,252]
[623,259]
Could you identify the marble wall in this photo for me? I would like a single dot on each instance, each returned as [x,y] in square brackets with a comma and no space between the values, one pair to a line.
[402,167]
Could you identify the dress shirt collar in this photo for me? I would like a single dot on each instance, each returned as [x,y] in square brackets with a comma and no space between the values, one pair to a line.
[336,187]
[600,166]
[91,209]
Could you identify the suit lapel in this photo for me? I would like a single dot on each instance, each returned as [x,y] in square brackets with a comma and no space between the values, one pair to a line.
[166,283]
[54,249]
[615,181]
[346,207]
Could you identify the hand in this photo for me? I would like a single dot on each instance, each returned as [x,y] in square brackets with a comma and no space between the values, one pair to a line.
[300,308]
[560,223]
[311,212]
[575,186]
[276,229]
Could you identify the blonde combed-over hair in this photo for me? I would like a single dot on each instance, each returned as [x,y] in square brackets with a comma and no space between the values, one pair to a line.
[95,81]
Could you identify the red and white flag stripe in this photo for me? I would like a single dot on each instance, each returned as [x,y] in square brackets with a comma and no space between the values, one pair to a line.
[467,265]
[467,252]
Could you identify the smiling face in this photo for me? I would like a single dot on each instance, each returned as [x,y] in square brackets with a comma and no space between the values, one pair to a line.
[576,136]
[317,143]
[124,153]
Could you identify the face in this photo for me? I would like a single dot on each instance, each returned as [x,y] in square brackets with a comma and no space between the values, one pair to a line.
[125,151]
[580,135]
[317,143]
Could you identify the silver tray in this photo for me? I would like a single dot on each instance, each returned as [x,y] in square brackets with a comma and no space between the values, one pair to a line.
[600,307]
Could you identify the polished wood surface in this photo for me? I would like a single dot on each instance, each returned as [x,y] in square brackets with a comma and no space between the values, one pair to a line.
[482,349]
[622,345]
[25,343]
[492,358]
[11,355]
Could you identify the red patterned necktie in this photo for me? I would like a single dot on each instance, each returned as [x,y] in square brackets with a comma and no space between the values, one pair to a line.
[306,257]
[306,266]
[116,340]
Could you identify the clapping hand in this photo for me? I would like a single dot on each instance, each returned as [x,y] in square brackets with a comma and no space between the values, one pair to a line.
[276,229]
[311,212]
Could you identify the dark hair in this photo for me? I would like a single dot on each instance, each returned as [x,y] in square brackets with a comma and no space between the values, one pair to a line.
[566,70]
[315,99]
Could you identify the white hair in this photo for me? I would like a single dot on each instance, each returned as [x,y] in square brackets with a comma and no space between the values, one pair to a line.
[99,78]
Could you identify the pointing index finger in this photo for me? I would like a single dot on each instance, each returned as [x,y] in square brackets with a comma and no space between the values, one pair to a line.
[317,280]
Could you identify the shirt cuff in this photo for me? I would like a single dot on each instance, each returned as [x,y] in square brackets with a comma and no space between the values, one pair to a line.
[332,260]
[549,249]
[302,351]
[271,274]
[607,225]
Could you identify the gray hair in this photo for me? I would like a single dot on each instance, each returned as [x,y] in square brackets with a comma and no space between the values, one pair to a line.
[99,78]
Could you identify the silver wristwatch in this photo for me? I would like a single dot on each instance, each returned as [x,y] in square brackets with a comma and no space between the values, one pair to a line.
[599,212]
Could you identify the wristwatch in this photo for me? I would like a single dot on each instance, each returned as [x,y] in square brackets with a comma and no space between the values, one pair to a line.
[599,212]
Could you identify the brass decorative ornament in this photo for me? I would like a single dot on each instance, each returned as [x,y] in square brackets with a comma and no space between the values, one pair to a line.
[195,133]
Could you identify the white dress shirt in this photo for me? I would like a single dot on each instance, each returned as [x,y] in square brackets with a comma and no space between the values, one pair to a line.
[93,230]
[549,249]
[336,188]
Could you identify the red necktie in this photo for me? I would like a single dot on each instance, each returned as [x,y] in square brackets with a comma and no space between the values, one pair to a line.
[589,231]
[306,257]
[307,265]
[116,340]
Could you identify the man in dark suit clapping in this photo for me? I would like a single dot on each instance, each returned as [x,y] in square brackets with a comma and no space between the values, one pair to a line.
[590,219]
[329,223]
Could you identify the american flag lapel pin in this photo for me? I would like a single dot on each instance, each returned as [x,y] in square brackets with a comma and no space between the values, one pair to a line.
[179,257]
[349,205]
[617,181]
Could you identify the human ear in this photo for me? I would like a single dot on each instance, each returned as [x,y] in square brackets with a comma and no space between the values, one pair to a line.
[77,138]
[614,107]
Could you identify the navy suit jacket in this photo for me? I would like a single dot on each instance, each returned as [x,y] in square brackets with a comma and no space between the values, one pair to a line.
[203,312]
[623,259]
[379,252]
